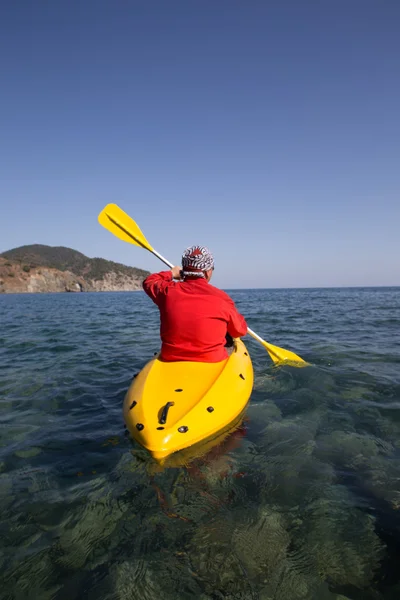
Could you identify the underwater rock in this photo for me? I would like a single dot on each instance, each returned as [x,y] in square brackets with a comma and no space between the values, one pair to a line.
[168,576]
[261,546]
[89,537]
[383,482]
[281,381]
[337,541]
[7,498]
[30,453]
[32,578]
[347,448]
[215,564]
[288,435]
[356,392]
[262,413]
[135,580]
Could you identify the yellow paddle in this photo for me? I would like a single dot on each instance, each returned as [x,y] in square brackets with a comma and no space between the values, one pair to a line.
[113,218]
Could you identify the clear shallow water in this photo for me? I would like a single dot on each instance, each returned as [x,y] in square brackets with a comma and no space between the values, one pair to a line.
[301,503]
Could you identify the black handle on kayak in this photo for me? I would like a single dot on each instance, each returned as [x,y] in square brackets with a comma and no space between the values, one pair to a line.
[164,413]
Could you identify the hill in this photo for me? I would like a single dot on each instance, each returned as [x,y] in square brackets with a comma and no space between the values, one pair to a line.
[40,268]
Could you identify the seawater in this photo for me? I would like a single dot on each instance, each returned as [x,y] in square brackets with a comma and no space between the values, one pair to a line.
[303,502]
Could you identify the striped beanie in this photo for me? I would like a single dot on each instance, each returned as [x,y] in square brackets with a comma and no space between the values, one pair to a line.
[195,260]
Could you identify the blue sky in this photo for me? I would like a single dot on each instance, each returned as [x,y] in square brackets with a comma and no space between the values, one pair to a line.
[269,131]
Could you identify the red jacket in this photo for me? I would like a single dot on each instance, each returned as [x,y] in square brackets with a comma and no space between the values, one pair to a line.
[195,317]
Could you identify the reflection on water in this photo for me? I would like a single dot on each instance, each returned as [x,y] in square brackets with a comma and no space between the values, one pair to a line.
[301,502]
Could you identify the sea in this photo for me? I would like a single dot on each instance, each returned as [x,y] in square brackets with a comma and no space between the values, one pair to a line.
[302,502]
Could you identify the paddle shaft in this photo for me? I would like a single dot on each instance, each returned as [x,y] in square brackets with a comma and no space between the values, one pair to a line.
[255,336]
[164,260]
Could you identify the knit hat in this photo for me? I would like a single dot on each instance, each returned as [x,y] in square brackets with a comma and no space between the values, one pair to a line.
[195,260]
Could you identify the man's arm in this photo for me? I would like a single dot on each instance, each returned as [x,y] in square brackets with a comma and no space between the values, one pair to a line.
[155,284]
[237,326]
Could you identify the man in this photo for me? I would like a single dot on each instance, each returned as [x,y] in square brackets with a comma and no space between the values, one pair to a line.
[195,316]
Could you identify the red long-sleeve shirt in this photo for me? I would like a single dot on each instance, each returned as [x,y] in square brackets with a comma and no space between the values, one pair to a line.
[195,317]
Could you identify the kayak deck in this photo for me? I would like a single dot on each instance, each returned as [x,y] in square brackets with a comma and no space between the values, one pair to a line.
[173,405]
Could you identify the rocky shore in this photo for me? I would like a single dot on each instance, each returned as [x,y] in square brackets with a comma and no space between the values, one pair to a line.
[18,278]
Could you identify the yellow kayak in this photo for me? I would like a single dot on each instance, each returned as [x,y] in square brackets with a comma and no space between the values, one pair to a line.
[173,405]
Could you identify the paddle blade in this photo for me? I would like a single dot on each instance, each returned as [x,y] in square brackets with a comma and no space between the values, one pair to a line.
[280,356]
[113,218]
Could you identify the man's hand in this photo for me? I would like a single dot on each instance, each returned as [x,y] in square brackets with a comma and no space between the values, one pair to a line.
[176,272]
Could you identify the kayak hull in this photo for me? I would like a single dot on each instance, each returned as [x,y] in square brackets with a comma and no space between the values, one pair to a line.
[170,406]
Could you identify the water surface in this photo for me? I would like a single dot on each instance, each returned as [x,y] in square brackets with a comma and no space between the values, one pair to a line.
[303,502]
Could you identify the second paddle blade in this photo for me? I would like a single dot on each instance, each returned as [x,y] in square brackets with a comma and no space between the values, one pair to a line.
[281,356]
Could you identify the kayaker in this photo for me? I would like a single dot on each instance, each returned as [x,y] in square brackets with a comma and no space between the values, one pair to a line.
[195,316]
